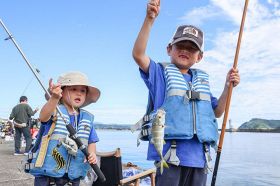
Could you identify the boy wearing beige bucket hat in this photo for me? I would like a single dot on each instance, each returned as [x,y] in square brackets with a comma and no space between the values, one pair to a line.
[60,161]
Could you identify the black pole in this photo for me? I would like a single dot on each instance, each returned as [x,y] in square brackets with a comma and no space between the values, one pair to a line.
[69,127]
[217,161]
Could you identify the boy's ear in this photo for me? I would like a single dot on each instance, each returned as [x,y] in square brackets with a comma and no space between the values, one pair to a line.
[200,56]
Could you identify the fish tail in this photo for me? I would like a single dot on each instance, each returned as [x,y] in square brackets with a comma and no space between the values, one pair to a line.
[163,164]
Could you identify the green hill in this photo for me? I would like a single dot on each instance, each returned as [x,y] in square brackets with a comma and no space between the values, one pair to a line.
[257,123]
[112,126]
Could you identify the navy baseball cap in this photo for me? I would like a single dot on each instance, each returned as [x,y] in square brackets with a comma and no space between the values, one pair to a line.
[188,33]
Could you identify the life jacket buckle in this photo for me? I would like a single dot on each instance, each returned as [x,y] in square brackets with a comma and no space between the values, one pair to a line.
[193,95]
[28,167]
[146,118]
[171,154]
[30,156]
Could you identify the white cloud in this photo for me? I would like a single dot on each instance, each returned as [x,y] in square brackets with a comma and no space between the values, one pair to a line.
[198,15]
[233,9]
[259,59]
[275,3]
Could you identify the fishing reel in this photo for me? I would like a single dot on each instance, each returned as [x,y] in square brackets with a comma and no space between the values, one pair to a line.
[69,144]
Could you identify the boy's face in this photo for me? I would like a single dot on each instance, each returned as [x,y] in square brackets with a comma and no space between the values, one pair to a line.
[184,54]
[74,96]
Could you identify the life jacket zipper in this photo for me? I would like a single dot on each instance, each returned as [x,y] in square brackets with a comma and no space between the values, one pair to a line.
[194,117]
[193,109]
[76,128]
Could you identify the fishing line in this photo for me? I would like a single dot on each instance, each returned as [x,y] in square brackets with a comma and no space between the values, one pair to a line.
[28,84]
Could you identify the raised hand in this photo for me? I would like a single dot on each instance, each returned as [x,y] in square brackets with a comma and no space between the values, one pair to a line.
[153,8]
[55,90]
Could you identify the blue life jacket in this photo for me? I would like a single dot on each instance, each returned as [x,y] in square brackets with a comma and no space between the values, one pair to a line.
[57,161]
[188,108]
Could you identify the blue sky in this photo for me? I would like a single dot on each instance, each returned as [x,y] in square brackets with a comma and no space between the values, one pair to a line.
[96,37]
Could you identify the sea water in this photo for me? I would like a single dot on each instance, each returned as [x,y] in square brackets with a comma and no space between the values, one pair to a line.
[247,158]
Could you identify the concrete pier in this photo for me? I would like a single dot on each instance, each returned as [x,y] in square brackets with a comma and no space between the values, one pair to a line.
[11,172]
[11,167]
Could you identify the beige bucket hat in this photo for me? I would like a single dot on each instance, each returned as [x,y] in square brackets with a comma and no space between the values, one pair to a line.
[78,78]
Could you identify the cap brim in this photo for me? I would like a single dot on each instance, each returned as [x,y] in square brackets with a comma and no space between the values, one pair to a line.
[187,39]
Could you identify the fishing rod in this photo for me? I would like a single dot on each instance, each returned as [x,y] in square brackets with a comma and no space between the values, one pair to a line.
[221,140]
[70,128]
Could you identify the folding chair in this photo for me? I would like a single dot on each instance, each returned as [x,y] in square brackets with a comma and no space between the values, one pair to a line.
[111,166]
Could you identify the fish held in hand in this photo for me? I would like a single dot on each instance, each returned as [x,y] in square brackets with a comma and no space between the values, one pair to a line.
[158,136]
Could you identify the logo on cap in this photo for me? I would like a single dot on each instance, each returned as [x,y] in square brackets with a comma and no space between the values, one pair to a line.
[191,31]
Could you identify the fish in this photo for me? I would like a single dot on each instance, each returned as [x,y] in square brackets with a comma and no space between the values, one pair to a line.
[158,136]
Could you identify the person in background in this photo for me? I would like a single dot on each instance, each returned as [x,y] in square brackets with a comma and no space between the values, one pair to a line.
[20,115]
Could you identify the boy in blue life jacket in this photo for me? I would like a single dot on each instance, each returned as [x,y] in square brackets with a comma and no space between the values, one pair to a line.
[57,159]
[184,94]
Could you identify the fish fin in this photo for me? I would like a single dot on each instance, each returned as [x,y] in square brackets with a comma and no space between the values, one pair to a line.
[165,164]
[161,167]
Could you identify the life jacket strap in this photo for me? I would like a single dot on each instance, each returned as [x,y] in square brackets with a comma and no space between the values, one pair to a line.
[208,158]
[144,134]
[145,119]
[44,144]
[137,126]
[171,156]
[143,124]
[173,159]
[189,94]
[30,156]
[28,167]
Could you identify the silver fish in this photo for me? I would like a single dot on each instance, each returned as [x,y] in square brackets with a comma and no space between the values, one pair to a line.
[158,136]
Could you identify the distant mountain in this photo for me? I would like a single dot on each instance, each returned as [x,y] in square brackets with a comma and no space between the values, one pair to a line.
[254,125]
[257,123]
[112,126]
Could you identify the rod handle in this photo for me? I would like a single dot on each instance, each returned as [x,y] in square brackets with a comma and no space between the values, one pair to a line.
[95,167]
[84,149]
